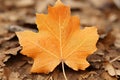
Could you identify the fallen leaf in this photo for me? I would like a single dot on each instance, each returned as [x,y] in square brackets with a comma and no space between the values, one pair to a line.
[41,5]
[106,76]
[12,51]
[23,3]
[6,37]
[111,70]
[3,31]
[87,75]
[59,40]
[101,4]
[4,55]
[117,41]
[2,74]
[14,76]
[40,78]
[117,3]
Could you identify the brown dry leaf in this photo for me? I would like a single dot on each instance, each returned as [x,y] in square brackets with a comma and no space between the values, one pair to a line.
[117,3]
[24,3]
[41,5]
[86,75]
[101,3]
[111,70]
[59,40]
[12,51]
[19,3]
[40,77]
[6,37]
[106,76]
[4,54]
[116,32]
[14,76]
[2,57]
[3,31]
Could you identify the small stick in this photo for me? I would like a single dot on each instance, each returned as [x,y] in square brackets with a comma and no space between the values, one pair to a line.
[114,59]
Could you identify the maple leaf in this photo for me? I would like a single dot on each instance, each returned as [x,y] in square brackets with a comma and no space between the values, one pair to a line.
[59,40]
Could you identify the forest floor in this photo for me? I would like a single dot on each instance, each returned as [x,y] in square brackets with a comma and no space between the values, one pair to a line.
[19,15]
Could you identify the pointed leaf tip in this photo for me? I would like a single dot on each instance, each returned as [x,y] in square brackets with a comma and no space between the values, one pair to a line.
[58,2]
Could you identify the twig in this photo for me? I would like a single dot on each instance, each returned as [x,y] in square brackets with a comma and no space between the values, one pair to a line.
[114,59]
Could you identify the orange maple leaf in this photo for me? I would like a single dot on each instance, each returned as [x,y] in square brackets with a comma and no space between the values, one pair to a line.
[59,40]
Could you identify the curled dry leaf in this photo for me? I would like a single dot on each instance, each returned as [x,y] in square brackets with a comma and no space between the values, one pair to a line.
[4,35]
[12,51]
[59,40]
[111,70]
[4,55]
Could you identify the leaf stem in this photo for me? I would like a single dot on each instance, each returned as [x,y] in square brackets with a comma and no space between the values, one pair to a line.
[63,70]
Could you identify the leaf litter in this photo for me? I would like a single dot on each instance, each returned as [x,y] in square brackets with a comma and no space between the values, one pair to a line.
[89,16]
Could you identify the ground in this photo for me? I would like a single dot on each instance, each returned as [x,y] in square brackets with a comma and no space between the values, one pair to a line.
[19,15]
